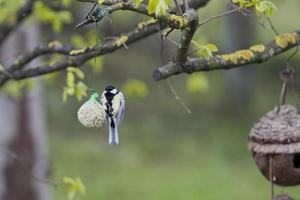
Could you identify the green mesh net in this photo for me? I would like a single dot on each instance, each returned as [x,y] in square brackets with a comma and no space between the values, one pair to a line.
[91,114]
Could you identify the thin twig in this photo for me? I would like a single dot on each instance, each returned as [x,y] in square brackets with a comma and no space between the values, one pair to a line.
[171,87]
[167,33]
[272,26]
[245,11]
[262,24]
[173,42]
[178,7]
[219,15]
[282,98]
[177,97]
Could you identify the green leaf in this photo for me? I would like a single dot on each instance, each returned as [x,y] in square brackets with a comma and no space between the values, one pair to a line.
[80,90]
[74,186]
[79,74]
[138,2]
[66,2]
[206,50]
[161,7]
[197,82]
[246,3]
[212,47]
[77,71]
[135,88]
[70,79]
[12,88]
[49,16]
[152,6]
[265,7]
[70,90]
[242,3]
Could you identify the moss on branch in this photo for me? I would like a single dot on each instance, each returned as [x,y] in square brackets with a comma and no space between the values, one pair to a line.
[254,54]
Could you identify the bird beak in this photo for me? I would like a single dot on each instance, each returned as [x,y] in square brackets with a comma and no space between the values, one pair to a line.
[85,22]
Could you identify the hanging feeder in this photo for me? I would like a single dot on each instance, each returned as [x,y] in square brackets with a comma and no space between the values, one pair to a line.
[91,114]
[275,145]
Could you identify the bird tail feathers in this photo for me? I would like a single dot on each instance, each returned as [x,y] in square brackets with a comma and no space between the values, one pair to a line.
[113,132]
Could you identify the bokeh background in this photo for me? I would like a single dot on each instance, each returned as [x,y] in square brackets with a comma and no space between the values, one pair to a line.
[166,153]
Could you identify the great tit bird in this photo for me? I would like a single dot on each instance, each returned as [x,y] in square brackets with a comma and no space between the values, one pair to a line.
[114,106]
[96,14]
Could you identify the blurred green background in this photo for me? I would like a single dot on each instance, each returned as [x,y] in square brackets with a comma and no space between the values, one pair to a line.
[164,152]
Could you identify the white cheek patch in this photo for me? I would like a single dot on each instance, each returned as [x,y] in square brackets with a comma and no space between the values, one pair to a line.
[114,91]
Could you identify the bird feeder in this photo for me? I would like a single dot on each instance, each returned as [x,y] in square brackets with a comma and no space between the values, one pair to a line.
[91,114]
[275,145]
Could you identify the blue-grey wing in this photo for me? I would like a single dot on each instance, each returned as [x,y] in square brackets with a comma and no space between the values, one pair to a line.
[121,112]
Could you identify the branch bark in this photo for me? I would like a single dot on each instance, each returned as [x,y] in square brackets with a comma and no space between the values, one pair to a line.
[187,36]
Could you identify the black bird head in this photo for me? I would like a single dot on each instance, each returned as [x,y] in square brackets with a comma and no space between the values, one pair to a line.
[109,88]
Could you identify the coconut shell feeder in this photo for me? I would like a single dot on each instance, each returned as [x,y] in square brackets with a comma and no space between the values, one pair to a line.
[275,139]
[275,145]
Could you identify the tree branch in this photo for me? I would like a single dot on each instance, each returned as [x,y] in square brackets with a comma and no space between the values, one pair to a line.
[78,57]
[219,15]
[187,37]
[255,54]
[51,48]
